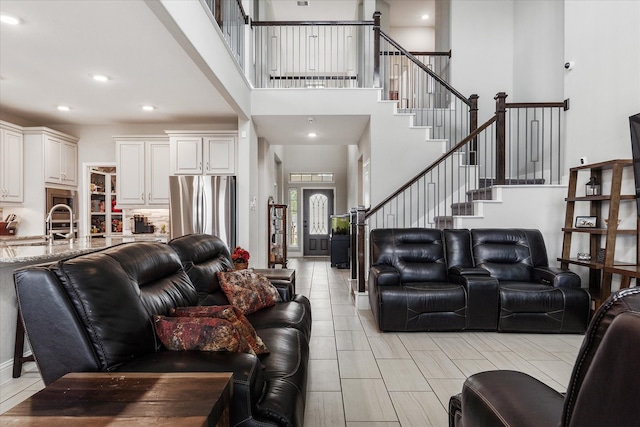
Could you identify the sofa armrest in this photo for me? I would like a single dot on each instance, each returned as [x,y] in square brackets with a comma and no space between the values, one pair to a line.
[483,299]
[384,275]
[458,271]
[556,277]
[509,398]
[284,289]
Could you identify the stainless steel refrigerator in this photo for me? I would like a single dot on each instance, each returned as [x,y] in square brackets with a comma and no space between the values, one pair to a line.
[203,204]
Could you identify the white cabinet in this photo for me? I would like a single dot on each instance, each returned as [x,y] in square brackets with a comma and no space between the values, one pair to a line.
[59,154]
[11,164]
[219,153]
[143,171]
[60,159]
[198,153]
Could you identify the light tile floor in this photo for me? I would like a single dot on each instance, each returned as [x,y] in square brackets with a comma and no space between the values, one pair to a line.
[361,377]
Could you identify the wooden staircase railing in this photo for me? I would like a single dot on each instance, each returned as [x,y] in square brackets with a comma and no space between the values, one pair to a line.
[519,144]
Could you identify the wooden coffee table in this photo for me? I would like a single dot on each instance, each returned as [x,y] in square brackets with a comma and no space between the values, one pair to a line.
[128,399]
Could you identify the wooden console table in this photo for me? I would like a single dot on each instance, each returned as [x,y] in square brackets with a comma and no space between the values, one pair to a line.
[128,399]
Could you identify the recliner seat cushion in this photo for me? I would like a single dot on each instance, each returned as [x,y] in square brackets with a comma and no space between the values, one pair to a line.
[422,307]
[541,308]
[288,314]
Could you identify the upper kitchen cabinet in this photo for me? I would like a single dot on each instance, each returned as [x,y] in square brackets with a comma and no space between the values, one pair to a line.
[60,155]
[12,164]
[202,153]
[142,171]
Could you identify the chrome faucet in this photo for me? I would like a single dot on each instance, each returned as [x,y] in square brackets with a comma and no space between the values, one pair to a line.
[49,223]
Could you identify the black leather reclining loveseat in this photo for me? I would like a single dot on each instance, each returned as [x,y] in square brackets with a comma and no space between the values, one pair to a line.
[484,279]
[94,313]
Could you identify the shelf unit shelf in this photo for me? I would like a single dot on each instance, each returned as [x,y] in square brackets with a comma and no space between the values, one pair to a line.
[277,235]
[602,241]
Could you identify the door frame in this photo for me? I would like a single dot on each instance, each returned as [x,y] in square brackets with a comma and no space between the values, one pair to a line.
[303,213]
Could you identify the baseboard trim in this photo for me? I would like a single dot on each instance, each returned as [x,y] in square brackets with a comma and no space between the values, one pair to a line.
[6,369]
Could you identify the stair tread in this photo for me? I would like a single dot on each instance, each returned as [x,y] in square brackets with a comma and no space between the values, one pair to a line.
[488,182]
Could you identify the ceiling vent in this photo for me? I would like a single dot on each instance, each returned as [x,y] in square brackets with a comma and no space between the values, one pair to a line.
[303,3]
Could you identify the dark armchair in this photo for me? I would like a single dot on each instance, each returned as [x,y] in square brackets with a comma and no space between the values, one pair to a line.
[534,297]
[604,389]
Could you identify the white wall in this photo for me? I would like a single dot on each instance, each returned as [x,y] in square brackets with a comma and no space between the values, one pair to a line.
[604,86]
[414,39]
[442,35]
[354,178]
[266,176]
[538,57]
[482,37]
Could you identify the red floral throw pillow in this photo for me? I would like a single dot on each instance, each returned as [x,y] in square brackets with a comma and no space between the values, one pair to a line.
[200,333]
[247,290]
[230,313]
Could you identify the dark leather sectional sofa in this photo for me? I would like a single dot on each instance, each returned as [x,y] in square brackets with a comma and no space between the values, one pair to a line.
[94,313]
[483,279]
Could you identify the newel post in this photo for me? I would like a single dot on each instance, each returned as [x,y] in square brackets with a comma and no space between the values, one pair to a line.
[376,49]
[360,220]
[353,221]
[501,145]
[473,125]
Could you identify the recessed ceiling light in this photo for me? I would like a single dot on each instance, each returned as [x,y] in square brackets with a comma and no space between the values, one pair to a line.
[63,108]
[148,107]
[8,19]
[312,135]
[100,77]
[425,17]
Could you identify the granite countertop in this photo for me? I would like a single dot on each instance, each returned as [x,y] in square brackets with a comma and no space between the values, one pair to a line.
[17,252]
[20,238]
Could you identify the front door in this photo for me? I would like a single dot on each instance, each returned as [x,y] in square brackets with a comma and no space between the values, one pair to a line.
[318,207]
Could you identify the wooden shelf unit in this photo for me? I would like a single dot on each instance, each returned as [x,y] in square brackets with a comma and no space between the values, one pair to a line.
[277,233]
[104,218]
[602,237]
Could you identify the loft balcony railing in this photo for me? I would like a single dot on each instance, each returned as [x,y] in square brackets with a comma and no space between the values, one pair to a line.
[329,54]
[231,18]
[315,54]
[520,144]
[358,54]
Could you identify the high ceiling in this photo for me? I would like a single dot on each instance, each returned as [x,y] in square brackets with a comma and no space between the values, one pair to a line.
[49,59]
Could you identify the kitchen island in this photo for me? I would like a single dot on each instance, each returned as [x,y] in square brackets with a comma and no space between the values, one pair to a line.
[15,254]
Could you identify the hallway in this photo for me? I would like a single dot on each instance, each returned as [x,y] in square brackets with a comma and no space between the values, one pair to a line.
[360,377]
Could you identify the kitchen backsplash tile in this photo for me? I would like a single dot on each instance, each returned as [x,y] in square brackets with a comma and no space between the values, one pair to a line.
[157,217]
